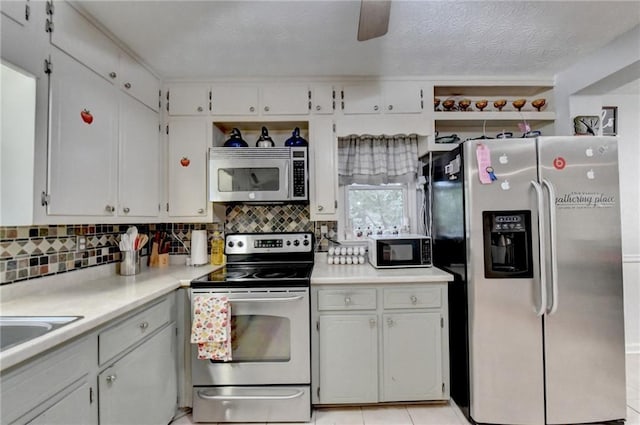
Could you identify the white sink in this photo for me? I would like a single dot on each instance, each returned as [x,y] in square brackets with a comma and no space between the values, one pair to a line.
[15,330]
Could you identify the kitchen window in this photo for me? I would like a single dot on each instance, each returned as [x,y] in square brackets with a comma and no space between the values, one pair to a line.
[376,208]
[377,179]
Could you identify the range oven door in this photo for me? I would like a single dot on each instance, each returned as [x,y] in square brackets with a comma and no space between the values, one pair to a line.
[270,339]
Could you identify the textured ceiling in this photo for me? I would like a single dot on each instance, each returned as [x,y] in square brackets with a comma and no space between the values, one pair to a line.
[205,39]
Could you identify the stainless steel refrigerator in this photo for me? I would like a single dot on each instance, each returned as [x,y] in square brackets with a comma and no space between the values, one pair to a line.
[531,230]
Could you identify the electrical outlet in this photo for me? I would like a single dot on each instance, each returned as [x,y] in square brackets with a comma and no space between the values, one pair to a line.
[323,229]
[81,243]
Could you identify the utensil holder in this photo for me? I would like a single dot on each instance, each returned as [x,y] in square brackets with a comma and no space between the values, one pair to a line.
[129,263]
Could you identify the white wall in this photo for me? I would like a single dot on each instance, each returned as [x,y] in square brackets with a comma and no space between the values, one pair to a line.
[583,89]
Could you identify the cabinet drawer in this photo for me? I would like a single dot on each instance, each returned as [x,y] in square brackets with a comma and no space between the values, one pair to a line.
[116,339]
[412,297]
[346,299]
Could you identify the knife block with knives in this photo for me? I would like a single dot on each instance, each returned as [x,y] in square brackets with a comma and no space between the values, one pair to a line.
[160,246]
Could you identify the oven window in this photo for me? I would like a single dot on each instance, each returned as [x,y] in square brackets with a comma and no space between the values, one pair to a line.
[260,338]
[248,179]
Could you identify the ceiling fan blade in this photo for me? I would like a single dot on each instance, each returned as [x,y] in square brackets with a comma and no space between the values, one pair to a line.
[374,19]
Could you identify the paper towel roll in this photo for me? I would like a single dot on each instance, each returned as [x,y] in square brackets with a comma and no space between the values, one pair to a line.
[199,247]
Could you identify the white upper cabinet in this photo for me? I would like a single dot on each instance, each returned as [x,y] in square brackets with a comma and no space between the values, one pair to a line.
[139,180]
[322,99]
[79,38]
[402,97]
[188,99]
[138,82]
[83,141]
[285,100]
[188,143]
[391,97]
[362,98]
[323,167]
[19,11]
[76,36]
[234,100]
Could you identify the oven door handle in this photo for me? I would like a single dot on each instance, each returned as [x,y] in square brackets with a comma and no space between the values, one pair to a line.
[268,300]
[204,395]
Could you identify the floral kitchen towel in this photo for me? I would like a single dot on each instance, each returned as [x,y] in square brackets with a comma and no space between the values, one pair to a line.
[211,327]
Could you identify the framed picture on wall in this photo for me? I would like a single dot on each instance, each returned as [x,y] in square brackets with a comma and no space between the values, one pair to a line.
[609,120]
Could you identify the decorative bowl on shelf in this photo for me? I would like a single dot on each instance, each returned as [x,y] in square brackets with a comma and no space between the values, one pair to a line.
[538,103]
[519,103]
[448,104]
[500,104]
[436,102]
[464,104]
[481,104]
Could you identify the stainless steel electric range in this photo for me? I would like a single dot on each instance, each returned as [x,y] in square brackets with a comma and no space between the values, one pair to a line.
[266,279]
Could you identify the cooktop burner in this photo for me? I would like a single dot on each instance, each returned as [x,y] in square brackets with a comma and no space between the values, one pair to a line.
[263,259]
[257,275]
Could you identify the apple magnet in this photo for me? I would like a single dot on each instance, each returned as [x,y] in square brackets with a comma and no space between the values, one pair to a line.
[86,116]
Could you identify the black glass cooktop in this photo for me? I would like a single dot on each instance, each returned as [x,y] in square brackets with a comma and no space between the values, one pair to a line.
[257,275]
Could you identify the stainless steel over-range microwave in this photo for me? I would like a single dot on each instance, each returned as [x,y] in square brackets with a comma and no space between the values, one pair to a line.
[396,251]
[273,174]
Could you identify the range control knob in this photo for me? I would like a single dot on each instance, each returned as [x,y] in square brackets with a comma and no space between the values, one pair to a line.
[230,244]
[305,242]
[296,242]
[240,244]
[288,243]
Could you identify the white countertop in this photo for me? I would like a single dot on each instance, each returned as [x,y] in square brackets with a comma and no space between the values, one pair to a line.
[327,274]
[96,293]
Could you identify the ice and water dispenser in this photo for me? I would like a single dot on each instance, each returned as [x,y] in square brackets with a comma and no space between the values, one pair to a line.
[507,244]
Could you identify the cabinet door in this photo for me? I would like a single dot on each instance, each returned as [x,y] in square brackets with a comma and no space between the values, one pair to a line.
[361,99]
[83,147]
[188,167]
[322,99]
[234,100]
[74,408]
[80,39]
[138,82]
[323,169]
[185,99]
[141,388]
[18,10]
[402,98]
[285,100]
[139,181]
[416,373]
[348,358]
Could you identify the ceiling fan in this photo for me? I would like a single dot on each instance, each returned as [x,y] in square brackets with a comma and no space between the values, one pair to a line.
[374,19]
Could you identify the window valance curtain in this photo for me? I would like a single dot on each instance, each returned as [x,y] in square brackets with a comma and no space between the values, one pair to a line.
[368,159]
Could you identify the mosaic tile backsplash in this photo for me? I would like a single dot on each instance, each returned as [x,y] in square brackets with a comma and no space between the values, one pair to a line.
[37,251]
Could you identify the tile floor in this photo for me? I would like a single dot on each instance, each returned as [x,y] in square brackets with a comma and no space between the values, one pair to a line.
[437,414]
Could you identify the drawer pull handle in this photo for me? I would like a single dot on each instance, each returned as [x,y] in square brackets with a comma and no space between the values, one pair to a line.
[347,300]
[111,378]
[144,325]
[204,395]
[389,322]
[372,323]
[414,300]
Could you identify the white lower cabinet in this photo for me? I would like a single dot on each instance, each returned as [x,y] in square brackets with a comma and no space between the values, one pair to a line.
[412,357]
[72,409]
[141,387]
[380,343]
[348,358]
[55,388]
[124,372]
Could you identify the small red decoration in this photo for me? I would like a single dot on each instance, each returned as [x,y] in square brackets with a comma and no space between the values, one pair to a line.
[559,163]
[184,161]
[86,116]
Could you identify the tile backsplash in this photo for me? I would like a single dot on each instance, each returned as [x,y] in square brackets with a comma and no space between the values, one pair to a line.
[29,252]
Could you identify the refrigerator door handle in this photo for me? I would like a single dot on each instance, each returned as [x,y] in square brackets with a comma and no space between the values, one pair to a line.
[551,191]
[543,270]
